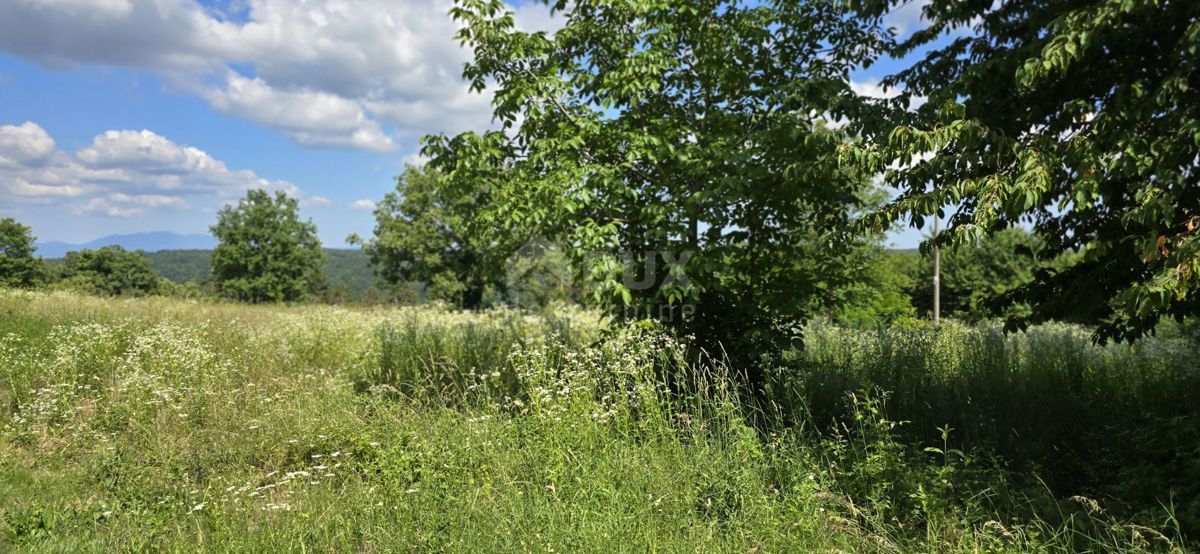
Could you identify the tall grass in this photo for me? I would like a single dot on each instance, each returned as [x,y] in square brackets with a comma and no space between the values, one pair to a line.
[1118,422]
[180,426]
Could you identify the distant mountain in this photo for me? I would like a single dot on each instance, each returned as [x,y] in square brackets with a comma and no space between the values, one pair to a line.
[150,242]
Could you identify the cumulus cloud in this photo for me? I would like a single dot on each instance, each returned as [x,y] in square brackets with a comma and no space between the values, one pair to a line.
[363,205]
[309,117]
[145,152]
[326,73]
[24,145]
[20,189]
[120,174]
[161,35]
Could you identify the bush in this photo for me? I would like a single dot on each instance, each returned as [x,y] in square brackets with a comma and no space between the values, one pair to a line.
[109,271]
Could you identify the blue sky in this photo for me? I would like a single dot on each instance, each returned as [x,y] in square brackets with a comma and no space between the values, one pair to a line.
[122,116]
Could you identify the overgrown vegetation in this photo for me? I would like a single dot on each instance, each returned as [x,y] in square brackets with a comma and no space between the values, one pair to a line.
[705,173]
[175,425]
[1081,118]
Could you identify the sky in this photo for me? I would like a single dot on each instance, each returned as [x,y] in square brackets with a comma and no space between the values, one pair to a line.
[125,116]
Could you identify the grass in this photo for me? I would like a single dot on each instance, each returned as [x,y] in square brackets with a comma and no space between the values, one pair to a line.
[171,425]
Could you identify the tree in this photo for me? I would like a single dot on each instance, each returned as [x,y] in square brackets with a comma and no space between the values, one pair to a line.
[540,275]
[110,270]
[977,277]
[422,237]
[1079,118]
[18,265]
[676,148]
[265,252]
[883,297]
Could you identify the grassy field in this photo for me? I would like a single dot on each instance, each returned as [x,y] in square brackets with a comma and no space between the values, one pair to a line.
[172,425]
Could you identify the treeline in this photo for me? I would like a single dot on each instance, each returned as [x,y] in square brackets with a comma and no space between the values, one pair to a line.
[268,258]
[347,273]
[896,291]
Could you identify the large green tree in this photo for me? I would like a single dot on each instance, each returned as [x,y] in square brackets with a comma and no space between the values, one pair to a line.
[266,253]
[422,238]
[676,148]
[19,267]
[1079,117]
[110,270]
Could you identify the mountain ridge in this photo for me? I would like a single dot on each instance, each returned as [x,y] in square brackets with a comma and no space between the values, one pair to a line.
[152,241]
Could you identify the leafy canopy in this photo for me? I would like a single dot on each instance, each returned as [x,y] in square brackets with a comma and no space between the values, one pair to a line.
[265,252]
[1080,118]
[977,277]
[675,149]
[422,238]
[110,270]
[18,265]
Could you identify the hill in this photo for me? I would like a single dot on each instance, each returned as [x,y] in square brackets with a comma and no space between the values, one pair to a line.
[150,242]
[347,272]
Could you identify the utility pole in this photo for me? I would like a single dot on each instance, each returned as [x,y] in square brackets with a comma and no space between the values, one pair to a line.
[937,275]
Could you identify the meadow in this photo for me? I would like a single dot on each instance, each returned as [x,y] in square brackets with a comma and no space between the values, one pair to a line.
[160,424]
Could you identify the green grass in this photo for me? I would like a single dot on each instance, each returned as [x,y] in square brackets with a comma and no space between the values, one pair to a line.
[172,425]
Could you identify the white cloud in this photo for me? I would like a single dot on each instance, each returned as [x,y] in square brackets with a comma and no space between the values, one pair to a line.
[123,205]
[906,17]
[145,152]
[154,34]
[316,202]
[20,189]
[24,145]
[914,160]
[105,207]
[121,174]
[364,205]
[309,117]
[331,73]
[415,159]
[533,17]
[149,200]
[871,88]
